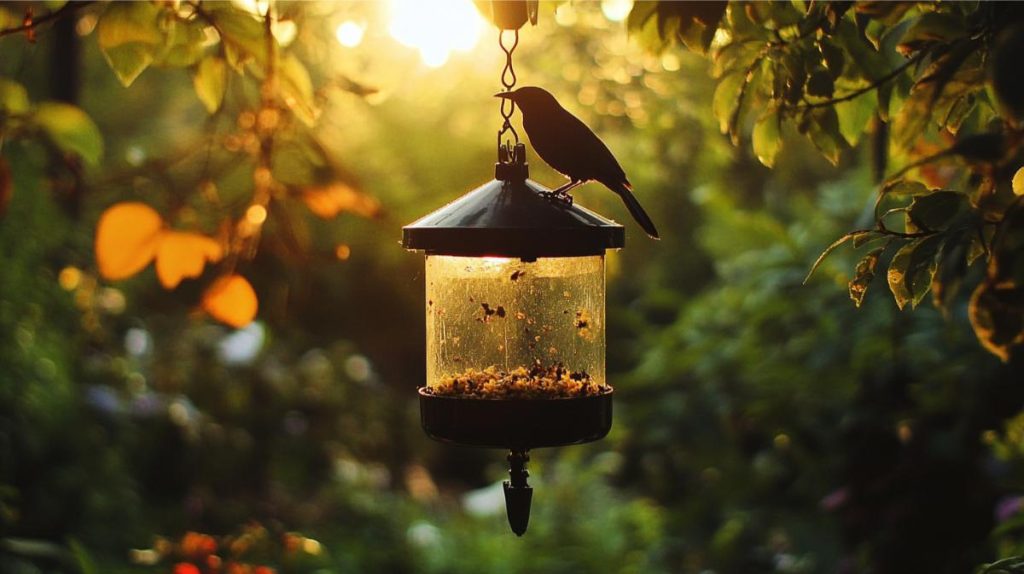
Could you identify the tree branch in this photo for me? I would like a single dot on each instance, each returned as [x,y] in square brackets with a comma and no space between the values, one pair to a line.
[861,91]
[33,23]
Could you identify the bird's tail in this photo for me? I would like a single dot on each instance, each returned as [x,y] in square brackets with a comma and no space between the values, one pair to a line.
[625,192]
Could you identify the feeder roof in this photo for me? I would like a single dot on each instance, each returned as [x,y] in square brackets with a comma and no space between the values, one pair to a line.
[512,219]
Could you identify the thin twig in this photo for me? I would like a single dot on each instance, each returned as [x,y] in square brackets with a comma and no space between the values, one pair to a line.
[861,91]
[34,23]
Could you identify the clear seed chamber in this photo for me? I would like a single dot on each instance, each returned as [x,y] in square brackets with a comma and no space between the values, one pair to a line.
[505,327]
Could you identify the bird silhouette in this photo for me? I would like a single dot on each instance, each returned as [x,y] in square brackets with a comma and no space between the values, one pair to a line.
[571,148]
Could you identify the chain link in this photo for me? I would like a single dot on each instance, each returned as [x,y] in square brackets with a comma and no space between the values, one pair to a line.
[508,107]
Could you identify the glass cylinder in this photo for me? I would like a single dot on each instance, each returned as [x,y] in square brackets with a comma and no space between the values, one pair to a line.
[495,320]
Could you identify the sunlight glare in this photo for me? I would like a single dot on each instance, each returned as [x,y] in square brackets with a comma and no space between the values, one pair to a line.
[254,7]
[436,29]
[349,34]
[616,10]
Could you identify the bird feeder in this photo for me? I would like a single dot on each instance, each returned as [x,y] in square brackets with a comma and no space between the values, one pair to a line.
[515,321]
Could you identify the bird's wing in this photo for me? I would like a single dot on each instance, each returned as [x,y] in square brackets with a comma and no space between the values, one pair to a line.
[596,160]
[569,146]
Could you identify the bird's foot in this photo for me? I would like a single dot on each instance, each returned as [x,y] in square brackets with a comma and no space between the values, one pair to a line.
[559,196]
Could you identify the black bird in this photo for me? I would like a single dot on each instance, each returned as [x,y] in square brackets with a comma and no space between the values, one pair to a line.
[569,146]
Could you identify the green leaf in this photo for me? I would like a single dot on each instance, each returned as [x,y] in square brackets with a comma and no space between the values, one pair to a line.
[13,97]
[897,275]
[734,57]
[865,237]
[697,37]
[795,77]
[834,13]
[885,12]
[71,130]
[243,36]
[979,247]
[297,89]
[995,314]
[937,211]
[692,23]
[854,116]
[210,80]
[640,14]
[912,268]
[726,99]
[824,132]
[129,35]
[765,139]
[958,112]
[863,60]
[952,265]
[185,44]
[828,250]
[820,84]
[913,118]
[884,93]
[957,74]
[833,58]
[932,27]
[864,275]
[874,32]
[773,15]
[129,61]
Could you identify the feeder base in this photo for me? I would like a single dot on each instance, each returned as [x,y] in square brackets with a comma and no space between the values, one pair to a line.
[517,424]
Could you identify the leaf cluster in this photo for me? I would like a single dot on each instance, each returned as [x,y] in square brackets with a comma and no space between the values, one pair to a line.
[931,84]
[263,109]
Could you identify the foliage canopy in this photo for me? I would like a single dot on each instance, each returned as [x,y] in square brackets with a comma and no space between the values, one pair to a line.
[934,86]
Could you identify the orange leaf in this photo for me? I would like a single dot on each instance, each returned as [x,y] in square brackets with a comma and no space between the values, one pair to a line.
[330,200]
[232,300]
[127,236]
[183,255]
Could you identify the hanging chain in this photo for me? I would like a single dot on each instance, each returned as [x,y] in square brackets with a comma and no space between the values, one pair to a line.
[508,107]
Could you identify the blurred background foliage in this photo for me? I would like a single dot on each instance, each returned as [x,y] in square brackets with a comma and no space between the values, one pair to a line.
[762,425]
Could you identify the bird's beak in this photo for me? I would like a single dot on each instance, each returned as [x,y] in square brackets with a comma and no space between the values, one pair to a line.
[509,95]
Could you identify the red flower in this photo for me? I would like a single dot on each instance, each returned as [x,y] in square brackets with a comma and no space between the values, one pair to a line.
[185,568]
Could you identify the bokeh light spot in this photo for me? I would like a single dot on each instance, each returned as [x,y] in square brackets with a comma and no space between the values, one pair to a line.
[256,214]
[343,252]
[349,34]
[616,10]
[69,278]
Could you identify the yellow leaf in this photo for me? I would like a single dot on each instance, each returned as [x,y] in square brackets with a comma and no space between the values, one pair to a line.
[1018,182]
[127,236]
[183,255]
[209,81]
[231,300]
[330,200]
